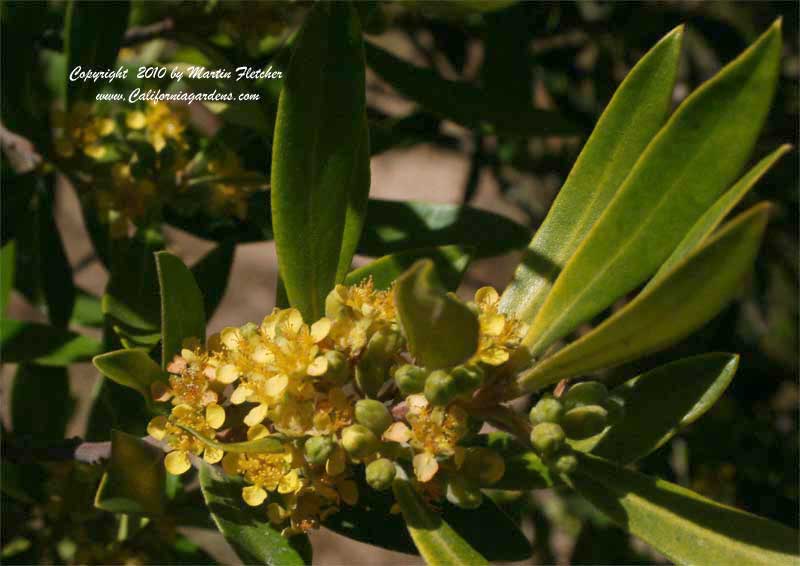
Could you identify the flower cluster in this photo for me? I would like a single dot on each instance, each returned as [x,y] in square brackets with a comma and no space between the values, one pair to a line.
[130,163]
[307,413]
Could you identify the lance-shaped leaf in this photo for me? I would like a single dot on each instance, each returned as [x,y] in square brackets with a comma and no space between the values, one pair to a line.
[450,263]
[211,274]
[7,253]
[132,368]
[135,480]
[264,444]
[88,310]
[692,293]
[318,159]
[634,115]
[686,527]
[436,541]
[660,403]
[394,226]
[248,529]
[92,36]
[41,404]
[697,154]
[45,345]
[462,102]
[441,330]
[718,211]
[182,313]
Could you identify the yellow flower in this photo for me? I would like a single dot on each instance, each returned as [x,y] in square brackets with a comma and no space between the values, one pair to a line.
[266,472]
[435,430]
[228,197]
[499,335]
[161,124]
[81,130]
[358,312]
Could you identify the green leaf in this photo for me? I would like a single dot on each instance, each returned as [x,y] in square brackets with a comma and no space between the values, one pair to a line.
[494,536]
[687,528]
[525,471]
[634,115]
[247,529]
[92,36]
[265,444]
[132,368]
[462,102]
[450,263]
[660,403]
[41,404]
[318,180]
[718,211]
[436,541]
[135,480]
[7,253]
[88,310]
[182,313]
[441,330]
[697,154]
[394,226]
[212,273]
[44,345]
[691,294]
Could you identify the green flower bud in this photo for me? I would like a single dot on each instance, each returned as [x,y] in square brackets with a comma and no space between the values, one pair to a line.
[547,438]
[249,330]
[566,462]
[547,410]
[338,368]
[334,304]
[467,378]
[584,394]
[616,409]
[380,474]
[483,465]
[318,449]
[359,441]
[440,388]
[410,379]
[583,422]
[374,415]
[373,367]
[462,493]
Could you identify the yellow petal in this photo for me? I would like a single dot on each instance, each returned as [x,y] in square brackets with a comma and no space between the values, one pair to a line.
[425,466]
[486,296]
[230,337]
[348,490]
[240,394]
[215,415]
[320,329]
[397,432]
[182,411]
[494,356]
[136,120]
[492,324]
[227,373]
[257,431]
[256,415]
[213,455]
[275,386]
[95,151]
[253,495]
[188,355]
[177,462]
[261,355]
[318,367]
[105,126]
[416,402]
[157,428]
[289,483]
[158,142]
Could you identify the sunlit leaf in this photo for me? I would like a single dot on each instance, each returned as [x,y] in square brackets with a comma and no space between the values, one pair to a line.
[450,263]
[132,368]
[44,345]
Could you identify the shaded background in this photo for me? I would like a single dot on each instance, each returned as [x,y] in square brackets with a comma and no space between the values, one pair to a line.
[569,57]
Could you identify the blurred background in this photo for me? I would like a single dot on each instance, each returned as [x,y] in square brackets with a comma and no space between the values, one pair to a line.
[565,57]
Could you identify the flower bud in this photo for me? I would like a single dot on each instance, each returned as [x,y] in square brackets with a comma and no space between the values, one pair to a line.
[338,369]
[374,415]
[483,465]
[583,422]
[359,441]
[584,394]
[616,409]
[547,438]
[410,379]
[440,388]
[463,493]
[249,330]
[566,463]
[318,449]
[380,474]
[372,368]
[467,378]
[546,410]
[334,305]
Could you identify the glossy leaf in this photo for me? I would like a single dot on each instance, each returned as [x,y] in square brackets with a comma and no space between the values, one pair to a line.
[462,102]
[691,294]
[318,180]
[92,36]
[135,479]
[247,529]
[718,211]
[634,115]
[449,262]
[212,273]
[132,368]
[394,226]
[495,536]
[697,154]
[441,330]
[265,444]
[356,212]
[44,345]
[7,253]
[684,526]
[436,541]
[182,313]
[41,404]
[660,403]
